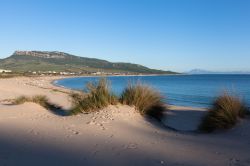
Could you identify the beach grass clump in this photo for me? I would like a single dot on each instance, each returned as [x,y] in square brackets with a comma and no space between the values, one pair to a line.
[42,101]
[97,96]
[224,113]
[20,100]
[38,99]
[146,100]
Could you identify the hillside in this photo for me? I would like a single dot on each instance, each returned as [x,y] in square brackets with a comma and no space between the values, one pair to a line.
[24,61]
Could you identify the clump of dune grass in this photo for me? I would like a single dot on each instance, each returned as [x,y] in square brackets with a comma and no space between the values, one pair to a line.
[97,96]
[38,99]
[146,100]
[77,97]
[20,100]
[42,101]
[224,113]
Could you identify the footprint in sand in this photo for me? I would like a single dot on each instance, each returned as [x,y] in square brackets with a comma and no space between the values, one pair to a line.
[76,132]
[91,122]
[234,162]
[93,118]
[32,131]
[131,146]
[95,152]
[73,131]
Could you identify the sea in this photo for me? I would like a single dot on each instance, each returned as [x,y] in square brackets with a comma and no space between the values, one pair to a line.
[182,90]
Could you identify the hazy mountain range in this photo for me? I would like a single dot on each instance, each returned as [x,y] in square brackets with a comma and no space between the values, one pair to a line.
[201,71]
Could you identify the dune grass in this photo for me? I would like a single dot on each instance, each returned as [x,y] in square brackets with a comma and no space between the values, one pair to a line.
[21,100]
[146,100]
[224,113]
[38,99]
[97,96]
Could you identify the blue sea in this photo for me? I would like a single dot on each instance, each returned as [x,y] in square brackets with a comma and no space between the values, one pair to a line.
[182,90]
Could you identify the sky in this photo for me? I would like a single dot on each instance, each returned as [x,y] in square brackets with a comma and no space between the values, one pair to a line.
[178,35]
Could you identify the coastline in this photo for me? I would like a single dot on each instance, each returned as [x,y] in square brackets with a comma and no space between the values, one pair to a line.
[142,75]
[172,107]
[56,83]
[32,135]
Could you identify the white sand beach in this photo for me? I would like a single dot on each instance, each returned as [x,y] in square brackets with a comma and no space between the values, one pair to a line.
[118,135]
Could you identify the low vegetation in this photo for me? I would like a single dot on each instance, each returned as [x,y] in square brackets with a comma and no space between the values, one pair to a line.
[97,96]
[146,100]
[38,99]
[10,75]
[224,113]
[21,100]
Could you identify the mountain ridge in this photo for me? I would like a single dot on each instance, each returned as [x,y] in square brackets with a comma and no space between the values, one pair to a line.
[25,61]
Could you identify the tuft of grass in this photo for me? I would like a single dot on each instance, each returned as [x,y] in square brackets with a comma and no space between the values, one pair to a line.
[224,113]
[146,100]
[97,96]
[38,99]
[41,100]
[20,100]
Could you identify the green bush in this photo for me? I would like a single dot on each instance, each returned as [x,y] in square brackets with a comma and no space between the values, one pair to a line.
[224,113]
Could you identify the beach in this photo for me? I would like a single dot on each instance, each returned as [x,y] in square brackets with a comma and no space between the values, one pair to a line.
[116,135]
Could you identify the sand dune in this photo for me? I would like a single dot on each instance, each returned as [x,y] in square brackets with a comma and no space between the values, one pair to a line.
[117,135]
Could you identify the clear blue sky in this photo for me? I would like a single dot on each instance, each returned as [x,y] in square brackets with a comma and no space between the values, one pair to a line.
[177,35]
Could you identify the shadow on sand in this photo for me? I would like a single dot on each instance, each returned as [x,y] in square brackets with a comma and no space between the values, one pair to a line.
[55,109]
[183,121]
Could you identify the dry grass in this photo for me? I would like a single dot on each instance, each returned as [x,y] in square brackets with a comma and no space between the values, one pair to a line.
[146,100]
[224,113]
[21,100]
[97,96]
[38,99]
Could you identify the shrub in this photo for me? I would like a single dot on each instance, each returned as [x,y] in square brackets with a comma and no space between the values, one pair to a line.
[146,100]
[97,96]
[224,113]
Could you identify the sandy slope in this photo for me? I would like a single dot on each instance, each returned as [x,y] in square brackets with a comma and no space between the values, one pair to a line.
[117,135]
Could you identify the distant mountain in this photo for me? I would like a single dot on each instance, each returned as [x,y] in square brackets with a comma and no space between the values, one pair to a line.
[24,61]
[200,71]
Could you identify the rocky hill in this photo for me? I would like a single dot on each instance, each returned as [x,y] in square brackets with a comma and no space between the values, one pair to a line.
[24,61]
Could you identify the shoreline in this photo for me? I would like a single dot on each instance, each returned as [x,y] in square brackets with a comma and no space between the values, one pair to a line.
[170,105]
[118,135]
[53,82]
[143,75]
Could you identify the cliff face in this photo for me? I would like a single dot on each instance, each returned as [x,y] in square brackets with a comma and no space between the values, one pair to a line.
[41,54]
